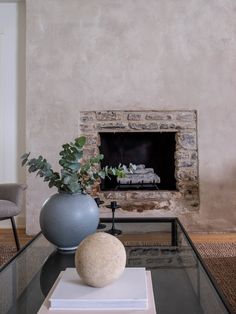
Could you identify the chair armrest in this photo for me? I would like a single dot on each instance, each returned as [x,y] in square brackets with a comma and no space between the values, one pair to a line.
[12,192]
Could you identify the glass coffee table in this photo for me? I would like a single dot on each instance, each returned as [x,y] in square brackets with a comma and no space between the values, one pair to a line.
[181,281]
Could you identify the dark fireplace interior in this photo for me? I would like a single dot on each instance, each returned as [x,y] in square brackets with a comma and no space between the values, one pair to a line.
[153,149]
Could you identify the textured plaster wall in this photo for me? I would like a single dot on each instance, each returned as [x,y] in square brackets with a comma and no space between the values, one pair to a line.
[136,54]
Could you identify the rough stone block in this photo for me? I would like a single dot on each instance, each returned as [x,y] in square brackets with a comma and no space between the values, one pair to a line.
[111,125]
[182,155]
[140,195]
[144,126]
[184,163]
[86,119]
[89,127]
[107,115]
[158,116]
[186,116]
[167,126]
[88,114]
[90,152]
[187,140]
[186,185]
[140,206]
[194,155]
[194,205]
[116,195]
[91,139]
[185,125]
[134,116]
[185,174]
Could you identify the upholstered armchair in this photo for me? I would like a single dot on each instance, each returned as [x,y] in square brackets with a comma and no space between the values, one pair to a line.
[11,199]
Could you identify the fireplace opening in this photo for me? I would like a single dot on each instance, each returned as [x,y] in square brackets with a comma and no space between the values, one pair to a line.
[153,152]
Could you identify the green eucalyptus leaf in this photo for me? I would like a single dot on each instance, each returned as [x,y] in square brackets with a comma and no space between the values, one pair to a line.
[26,155]
[94,160]
[74,167]
[85,167]
[66,179]
[51,184]
[24,161]
[32,168]
[78,155]
[80,141]
[40,173]
[102,174]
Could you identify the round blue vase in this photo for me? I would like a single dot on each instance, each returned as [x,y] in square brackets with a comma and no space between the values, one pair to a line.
[66,219]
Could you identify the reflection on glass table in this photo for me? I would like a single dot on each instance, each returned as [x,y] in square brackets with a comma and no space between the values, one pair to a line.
[181,282]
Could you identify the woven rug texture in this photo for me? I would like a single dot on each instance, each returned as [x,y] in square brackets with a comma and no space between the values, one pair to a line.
[220,259]
[6,253]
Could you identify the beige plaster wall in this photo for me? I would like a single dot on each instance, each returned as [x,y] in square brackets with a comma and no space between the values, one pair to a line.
[136,54]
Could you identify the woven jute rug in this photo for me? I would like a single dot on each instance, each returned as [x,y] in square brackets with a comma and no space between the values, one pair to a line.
[220,259]
[6,253]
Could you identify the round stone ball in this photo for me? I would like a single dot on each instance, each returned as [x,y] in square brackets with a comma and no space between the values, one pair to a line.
[100,259]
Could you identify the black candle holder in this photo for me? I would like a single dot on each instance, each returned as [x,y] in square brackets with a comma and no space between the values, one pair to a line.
[99,202]
[113,230]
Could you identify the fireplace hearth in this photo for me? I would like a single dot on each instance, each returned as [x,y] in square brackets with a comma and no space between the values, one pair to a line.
[165,141]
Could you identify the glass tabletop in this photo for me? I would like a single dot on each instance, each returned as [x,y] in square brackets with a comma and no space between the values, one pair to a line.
[181,282]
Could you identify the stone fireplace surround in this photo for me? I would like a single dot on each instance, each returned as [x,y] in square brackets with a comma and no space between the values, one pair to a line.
[143,202]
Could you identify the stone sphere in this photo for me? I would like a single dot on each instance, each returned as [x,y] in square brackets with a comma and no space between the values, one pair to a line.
[100,259]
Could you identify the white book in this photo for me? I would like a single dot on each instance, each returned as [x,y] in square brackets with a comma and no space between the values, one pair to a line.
[45,307]
[129,291]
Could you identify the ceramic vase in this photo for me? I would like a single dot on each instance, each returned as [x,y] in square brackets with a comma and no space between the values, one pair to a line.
[66,219]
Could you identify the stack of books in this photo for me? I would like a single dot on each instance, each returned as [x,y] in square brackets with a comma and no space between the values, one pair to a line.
[132,293]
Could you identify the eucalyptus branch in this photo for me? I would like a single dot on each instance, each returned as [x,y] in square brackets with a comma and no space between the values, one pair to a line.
[76,174]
